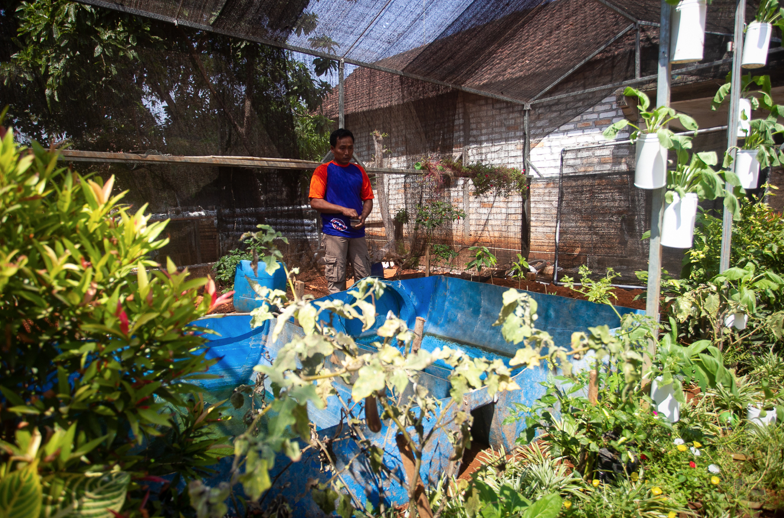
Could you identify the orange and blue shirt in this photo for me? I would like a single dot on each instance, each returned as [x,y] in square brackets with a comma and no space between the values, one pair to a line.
[347,186]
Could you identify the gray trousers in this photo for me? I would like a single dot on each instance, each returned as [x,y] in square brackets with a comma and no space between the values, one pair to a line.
[340,250]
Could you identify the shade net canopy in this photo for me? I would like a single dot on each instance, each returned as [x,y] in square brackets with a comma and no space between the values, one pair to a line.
[510,49]
[219,78]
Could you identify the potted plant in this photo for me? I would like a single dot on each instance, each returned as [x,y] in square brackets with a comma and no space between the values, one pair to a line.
[759,148]
[757,41]
[652,139]
[675,364]
[750,99]
[691,181]
[766,411]
[263,252]
[687,40]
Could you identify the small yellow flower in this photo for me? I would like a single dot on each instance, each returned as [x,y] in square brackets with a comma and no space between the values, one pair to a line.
[682,447]
[697,444]
[635,476]
[656,491]
[567,504]
[672,514]
[595,483]
[715,480]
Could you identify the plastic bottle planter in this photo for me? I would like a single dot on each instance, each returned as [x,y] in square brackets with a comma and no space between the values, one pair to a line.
[245,299]
[744,126]
[688,31]
[755,46]
[679,219]
[753,416]
[738,320]
[747,168]
[664,398]
[651,165]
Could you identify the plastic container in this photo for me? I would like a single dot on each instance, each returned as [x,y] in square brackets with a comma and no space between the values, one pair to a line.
[377,270]
[738,320]
[755,45]
[664,398]
[753,416]
[650,170]
[679,219]
[245,299]
[747,168]
[687,42]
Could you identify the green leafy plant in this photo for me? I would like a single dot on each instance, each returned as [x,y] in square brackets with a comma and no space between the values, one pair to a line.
[483,258]
[497,179]
[654,120]
[617,420]
[761,136]
[260,247]
[444,253]
[596,291]
[700,362]
[401,216]
[100,347]
[519,269]
[697,176]
[757,98]
[770,12]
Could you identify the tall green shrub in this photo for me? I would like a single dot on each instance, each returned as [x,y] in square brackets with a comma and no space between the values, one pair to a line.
[96,342]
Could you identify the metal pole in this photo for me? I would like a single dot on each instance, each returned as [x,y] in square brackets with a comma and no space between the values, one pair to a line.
[341,95]
[732,125]
[657,203]
[583,62]
[558,216]
[525,223]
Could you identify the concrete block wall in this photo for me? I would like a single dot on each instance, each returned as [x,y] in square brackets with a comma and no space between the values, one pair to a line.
[584,130]
[492,131]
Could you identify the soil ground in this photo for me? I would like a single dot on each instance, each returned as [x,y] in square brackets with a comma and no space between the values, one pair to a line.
[316,285]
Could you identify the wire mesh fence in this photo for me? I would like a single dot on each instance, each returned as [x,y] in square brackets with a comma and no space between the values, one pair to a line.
[602,216]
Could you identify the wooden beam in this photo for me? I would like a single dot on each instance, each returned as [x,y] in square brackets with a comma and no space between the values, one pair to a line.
[228,161]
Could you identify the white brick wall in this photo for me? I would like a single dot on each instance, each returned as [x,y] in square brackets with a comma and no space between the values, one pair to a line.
[496,137]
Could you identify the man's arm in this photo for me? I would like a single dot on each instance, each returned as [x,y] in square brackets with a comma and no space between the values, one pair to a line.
[367,208]
[326,207]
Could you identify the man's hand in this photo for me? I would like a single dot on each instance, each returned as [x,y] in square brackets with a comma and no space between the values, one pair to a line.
[350,213]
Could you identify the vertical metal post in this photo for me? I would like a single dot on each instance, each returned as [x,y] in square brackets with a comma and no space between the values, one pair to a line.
[657,203]
[341,95]
[637,71]
[732,125]
[525,220]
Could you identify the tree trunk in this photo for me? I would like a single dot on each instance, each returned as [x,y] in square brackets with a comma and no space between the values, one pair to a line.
[383,197]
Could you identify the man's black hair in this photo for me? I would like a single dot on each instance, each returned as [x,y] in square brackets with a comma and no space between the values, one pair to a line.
[339,133]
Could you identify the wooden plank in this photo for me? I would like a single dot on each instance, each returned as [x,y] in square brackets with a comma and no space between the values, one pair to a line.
[229,161]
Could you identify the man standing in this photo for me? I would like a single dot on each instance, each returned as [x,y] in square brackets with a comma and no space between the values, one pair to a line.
[341,192]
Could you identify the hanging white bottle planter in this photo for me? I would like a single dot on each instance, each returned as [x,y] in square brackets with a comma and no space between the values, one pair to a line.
[744,117]
[687,41]
[747,168]
[650,171]
[664,398]
[753,416]
[679,219]
[738,320]
[755,46]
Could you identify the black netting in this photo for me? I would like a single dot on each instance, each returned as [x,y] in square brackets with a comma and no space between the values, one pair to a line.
[195,87]
[602,216]
[506,48]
